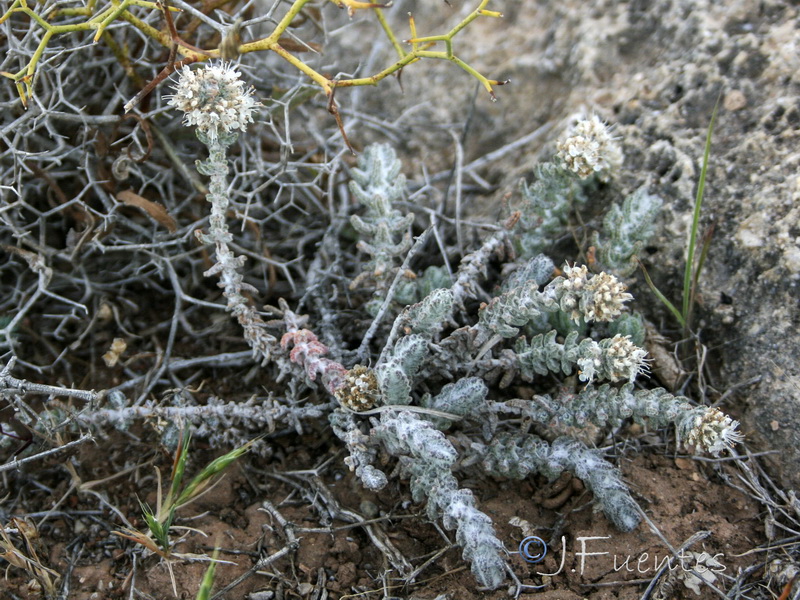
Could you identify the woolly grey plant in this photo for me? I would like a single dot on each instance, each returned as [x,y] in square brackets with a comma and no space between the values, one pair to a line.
[466,396]
[377,184]
[412,290]
[613,359]
[474,267]
[215,102]
[630,325]
[413,421]
[539,271]
[427,317]
[223,423]
[626,227]
[396,374]
[430,385]
[427,458]
[587,153]
[516,456]
[361,447]
[425,455]
[545,209]
[701,428]
[577,294]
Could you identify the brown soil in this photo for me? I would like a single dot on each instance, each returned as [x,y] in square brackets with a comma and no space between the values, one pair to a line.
[681,496]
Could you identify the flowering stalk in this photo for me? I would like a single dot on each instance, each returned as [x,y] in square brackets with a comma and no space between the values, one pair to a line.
[615,359]
[214,101]
[577,294]
[612,359]
[702,428]
[588,152]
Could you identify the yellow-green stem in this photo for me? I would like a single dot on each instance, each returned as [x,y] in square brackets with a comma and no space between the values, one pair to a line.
[111,18]
[34,16]
[13,8]
[268,42]
[389,33]
[39,51]
[322,81]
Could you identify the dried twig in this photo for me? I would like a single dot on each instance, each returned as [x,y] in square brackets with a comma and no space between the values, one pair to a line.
[15,464]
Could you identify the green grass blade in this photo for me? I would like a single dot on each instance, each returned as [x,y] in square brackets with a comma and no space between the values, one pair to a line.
[179,466]
[672,308]
[705,246]
[204,593]
[159,531]
[689,270]
[201,480]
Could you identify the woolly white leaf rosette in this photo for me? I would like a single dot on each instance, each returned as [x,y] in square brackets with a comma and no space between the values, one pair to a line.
[213,99]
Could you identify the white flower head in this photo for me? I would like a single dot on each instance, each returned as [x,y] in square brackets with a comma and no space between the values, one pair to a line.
[214,99]
[360,390]
[607,298]
[590,364]
[571,288]
[594,297]
[713,431]
[623,358]
[590,149]
[614,359]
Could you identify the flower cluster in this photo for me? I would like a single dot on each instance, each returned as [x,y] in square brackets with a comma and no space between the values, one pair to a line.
[616,359]
[597,298]
[360,389]
[214,100]
[590,149]
[713,431]
[608,296]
